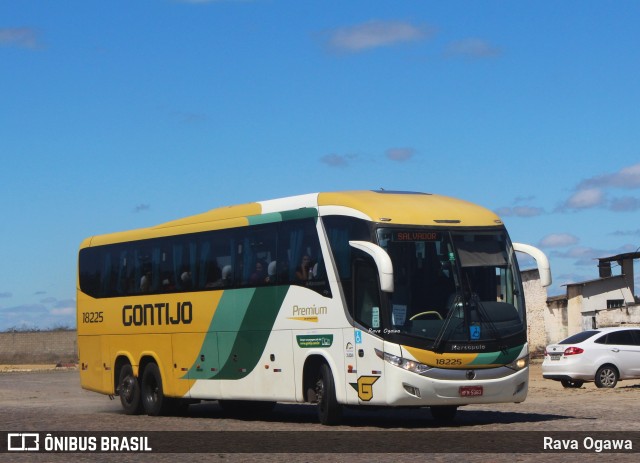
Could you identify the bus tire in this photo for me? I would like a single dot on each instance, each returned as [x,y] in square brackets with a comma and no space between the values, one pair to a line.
[153,399]
[329,410]
[129,391]
[443,413]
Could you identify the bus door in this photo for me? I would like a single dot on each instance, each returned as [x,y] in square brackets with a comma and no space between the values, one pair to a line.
[369,381]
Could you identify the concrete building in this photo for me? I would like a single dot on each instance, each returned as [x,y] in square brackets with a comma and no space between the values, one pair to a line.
[609,300]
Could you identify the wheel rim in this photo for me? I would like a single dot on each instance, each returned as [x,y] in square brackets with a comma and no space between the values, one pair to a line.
[607,377]
[127,390]
[152,391]
[320,393]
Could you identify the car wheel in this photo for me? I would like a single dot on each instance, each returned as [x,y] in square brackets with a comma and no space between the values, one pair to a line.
[606,376]
[572,383]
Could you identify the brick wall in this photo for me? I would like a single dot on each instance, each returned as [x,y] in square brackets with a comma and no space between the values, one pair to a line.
[31,347]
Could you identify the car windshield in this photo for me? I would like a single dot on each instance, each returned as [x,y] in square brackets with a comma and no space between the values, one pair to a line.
[453,285]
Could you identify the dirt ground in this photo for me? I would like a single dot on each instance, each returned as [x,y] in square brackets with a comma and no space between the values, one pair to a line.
[45,398]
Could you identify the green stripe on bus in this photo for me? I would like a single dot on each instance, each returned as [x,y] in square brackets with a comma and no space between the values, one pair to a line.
[270,217]
[239,332]
[265,218]
[498,358]
[303,213]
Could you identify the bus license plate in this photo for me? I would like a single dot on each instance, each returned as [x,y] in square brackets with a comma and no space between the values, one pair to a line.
[470,391]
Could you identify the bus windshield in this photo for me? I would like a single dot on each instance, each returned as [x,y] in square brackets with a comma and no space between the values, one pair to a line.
[453,286]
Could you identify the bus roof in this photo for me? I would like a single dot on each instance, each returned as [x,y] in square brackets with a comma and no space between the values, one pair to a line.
[393,207]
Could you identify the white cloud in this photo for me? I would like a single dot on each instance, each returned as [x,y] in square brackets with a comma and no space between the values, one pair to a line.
[472,48]
[375,34]
[22,37]
[625,204]
[591,192]
[582,255]
[338,160]
[584,199]
[520,211]
[589,256]
[627,177]
[63,311]
[558,240]
[141,208]
[627,232]
[400,154]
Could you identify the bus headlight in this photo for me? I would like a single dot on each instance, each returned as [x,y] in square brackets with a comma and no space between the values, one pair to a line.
[519,364]
[405,364]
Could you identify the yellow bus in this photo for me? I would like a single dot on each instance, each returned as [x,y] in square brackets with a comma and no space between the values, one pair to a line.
[371,298]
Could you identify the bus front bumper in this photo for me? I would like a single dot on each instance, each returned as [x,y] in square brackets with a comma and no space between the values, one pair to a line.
[456,387]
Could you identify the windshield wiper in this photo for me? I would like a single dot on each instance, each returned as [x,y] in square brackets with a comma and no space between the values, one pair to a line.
[487,319]
[452,309]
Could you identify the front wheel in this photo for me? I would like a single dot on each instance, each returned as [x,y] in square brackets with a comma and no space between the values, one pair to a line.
[153,399]
[129,391]
[329,410]
[606,376]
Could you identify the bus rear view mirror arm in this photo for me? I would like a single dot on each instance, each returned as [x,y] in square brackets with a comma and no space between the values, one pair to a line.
[541,260]
[382,260]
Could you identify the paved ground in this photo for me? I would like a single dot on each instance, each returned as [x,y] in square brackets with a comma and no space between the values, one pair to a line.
[52,400]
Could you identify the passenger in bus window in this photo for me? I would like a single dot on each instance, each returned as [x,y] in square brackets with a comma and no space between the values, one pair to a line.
[227,275]
[213,275]
[225,280]
[186,280]
[283,271]
[145,282]
[303,272]
[259,275]
[167,284]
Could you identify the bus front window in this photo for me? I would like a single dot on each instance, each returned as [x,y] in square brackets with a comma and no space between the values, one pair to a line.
[453,286]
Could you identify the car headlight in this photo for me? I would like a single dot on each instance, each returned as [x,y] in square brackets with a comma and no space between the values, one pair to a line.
[406,364]
[519,364]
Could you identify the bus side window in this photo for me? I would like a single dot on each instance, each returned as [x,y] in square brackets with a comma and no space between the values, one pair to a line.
[300,259]
[366,304]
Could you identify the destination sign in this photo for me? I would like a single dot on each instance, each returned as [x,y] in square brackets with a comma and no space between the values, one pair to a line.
[416,236]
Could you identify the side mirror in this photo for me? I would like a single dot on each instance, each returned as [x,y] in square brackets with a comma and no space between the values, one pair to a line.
[382,260]
[541,260]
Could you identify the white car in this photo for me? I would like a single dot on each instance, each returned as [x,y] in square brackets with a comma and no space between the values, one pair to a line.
[604,355]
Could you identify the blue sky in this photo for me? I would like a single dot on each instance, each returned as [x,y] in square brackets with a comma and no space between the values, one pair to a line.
[118,115]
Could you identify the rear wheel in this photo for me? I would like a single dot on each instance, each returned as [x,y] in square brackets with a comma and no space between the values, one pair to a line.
[153,399]
[329,410]
[129,391]
[606,376]
[443,413]
[571,383]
